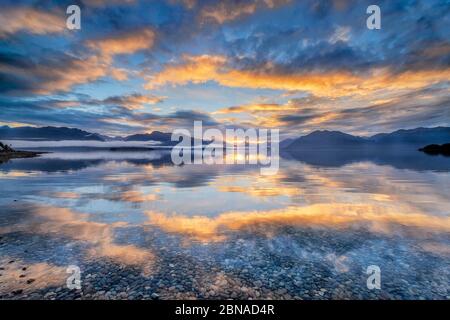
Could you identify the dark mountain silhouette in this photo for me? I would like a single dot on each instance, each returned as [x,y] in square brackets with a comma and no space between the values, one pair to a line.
[336,139]
[324,138]
[48,133]
[286,142]
[418,136]
[63,133]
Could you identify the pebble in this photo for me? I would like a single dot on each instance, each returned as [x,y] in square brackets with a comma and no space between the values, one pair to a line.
[155,296]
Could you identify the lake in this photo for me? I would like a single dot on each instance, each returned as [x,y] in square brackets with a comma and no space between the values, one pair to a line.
[138,227]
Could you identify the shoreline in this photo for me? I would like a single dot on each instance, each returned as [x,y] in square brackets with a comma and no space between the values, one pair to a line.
[5,156]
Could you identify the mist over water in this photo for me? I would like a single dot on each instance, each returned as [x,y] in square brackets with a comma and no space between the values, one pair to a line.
[27,144]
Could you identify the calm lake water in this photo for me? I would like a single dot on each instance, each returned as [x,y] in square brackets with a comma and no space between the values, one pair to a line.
[139,227]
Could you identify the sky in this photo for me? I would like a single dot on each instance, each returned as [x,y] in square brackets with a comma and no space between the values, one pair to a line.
[298,66]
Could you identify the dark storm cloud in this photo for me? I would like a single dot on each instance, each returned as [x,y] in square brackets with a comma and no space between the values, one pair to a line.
[296,119]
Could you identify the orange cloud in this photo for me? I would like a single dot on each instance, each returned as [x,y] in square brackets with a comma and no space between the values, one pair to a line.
[77,71]
[125,43]
[259,107]
[195,69]
[31,20]
[50,78]
[200,69]
[224,11]
[137,196]
[119,74]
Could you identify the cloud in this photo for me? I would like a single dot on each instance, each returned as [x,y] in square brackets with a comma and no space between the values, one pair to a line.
[341,34]
[224,11]
[219,12]
[246,62]
[17,19]
[133,101]
[195,69]
[113,115]
[359,115]
[52,73]
[335,83]
[103,3]
[253,108]
[177,119]
[123,43]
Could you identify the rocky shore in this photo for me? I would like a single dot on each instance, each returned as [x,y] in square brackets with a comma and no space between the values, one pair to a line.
[240,274]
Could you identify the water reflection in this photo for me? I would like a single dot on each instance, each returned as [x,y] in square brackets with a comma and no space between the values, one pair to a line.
[308,232]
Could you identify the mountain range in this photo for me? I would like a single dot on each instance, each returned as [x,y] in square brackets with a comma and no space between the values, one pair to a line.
[48,133]
[329,139]
[64,133]
[316,139]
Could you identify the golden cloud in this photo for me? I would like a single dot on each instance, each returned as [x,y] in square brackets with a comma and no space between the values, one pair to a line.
[258,107]
[78,71]
[48,78]
[125,43]
[200,69]
[31,20]
[195,69]
[224,11]
[137,196]
[119,74]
